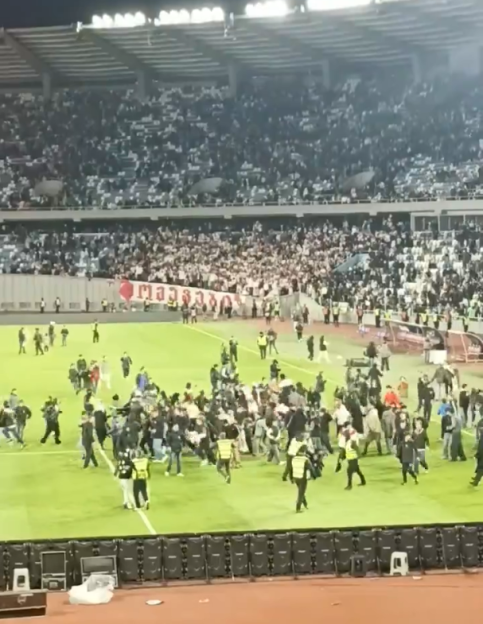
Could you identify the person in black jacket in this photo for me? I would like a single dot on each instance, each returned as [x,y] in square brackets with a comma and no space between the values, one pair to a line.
[174,442]
[371,352]
[427,398]
[408,453]
[100,423]
[421,442]
[310,347]
[464,403]
[479,463]
[87,432]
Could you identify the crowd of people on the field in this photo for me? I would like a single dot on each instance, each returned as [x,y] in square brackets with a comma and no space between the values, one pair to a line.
[281,141]
[373,265]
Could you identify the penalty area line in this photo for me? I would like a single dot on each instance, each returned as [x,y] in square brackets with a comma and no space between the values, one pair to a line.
[140,512]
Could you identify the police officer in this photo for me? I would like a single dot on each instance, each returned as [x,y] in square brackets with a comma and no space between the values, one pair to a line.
[124,471]
[87,432]
[300,470]
[140,480]
[262,343]
[51,413]
[352,456]
[38,340]
[224,448]
[479,463]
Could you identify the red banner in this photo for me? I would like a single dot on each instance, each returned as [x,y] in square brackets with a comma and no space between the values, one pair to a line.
[162,293]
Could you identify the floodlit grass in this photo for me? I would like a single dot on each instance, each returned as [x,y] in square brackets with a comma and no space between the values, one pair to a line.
[46,494]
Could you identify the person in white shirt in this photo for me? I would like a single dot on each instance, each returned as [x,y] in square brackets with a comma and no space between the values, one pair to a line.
[105,373]
[341,415]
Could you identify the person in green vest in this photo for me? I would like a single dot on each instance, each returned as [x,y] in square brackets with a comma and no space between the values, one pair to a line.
[377,317]
[140,480]
[224,452]
[300,472]
[352,457]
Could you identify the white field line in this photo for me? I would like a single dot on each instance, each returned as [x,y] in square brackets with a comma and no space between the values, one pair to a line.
[140,512]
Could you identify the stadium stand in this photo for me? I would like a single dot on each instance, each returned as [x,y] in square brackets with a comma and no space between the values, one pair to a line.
[278,142]
[356,105]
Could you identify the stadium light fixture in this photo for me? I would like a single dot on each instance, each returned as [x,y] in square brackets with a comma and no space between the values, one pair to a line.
[197,16]
[272,8]
[333,5]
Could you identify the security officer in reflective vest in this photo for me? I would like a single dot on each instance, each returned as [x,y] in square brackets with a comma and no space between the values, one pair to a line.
[224,447]
[352,456]
[301,470]
[293,449]
[140,481]
[262,342]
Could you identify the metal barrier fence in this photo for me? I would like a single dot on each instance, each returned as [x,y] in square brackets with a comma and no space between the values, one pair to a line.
[207,558]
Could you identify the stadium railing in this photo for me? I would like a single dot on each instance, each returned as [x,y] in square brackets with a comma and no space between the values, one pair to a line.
[250,556]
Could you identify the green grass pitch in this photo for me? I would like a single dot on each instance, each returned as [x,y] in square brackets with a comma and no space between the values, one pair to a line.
[46,494]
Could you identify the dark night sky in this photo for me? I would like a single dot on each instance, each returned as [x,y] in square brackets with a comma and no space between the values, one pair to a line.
[30,13]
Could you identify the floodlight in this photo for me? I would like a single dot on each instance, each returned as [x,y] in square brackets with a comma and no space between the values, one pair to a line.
[140,19]
[97,21]
[174,17]
[217,14]
[184,16]
[107,20]
[164,17]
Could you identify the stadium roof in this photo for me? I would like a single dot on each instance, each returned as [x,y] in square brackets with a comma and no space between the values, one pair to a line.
[385,34]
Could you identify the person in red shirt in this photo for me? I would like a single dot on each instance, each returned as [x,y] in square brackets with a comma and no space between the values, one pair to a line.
[391,399]
[95,376]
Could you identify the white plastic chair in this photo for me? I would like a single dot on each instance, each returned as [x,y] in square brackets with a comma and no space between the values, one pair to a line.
[399,564]
[21,579]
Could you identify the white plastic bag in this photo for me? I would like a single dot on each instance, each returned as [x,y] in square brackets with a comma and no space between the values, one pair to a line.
[97,589]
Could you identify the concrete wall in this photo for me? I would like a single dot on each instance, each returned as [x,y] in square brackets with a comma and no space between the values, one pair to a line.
[22,293]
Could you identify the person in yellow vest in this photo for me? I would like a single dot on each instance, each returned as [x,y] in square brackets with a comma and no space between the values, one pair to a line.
[300,471]
[293,448]
[104,305]
[141,475]
[377,317]
[262,342]
[436,320]
[352,456]
[387,317]
[224,450]
[425,318]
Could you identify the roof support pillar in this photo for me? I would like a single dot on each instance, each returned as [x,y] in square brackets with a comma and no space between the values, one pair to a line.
[143,85]
[326,77]
[47,86]
[416,67]
[233,80]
